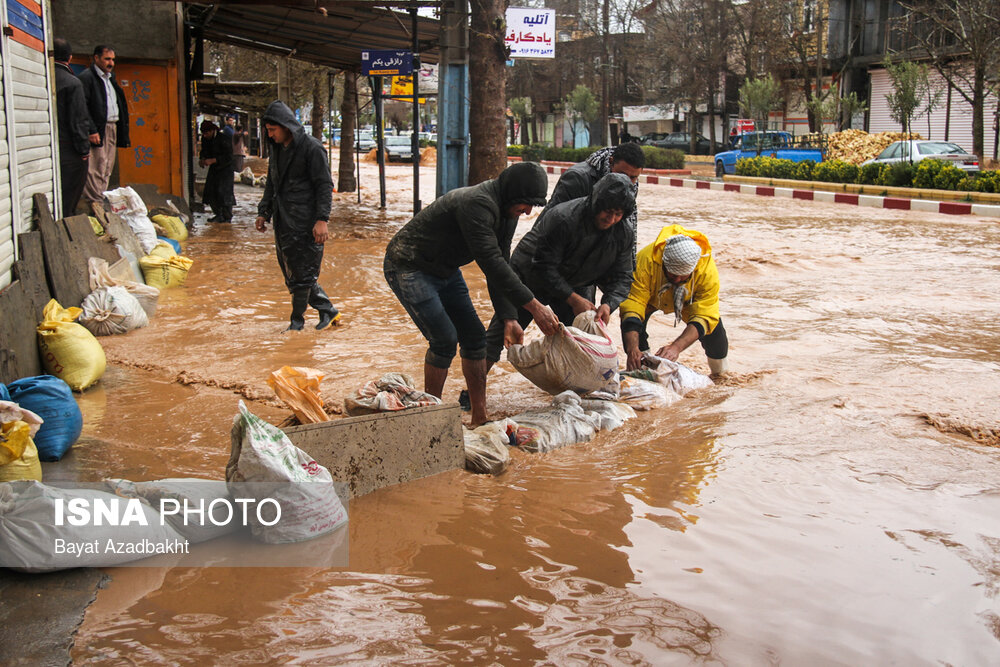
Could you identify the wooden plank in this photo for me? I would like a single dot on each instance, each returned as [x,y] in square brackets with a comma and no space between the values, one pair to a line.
[30,271]
[152,198]
[118,232]
[68,281]
[18,340]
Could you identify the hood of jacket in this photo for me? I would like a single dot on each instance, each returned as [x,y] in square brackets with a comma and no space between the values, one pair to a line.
[673,230]
[523,183]
[278,113]
[614,191]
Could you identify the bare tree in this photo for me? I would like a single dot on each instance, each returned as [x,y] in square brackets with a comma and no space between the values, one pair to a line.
[487,56]
[346,180]
[962,40]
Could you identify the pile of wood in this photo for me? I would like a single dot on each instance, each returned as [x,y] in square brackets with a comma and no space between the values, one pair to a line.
[856,146]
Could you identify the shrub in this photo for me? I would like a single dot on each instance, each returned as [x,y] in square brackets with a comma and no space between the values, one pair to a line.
[987,181]
[899,174]
[804,170]
[835,171]
[747,166]
[663,158]
[871,173]
[515,150]
[533,153]
[926,172]
[948,177]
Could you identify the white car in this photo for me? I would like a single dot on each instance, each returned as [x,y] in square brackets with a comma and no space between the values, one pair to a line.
[399,147]
[916,150]
[365,141]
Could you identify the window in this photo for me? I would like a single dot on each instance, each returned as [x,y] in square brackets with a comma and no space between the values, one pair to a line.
[809,17]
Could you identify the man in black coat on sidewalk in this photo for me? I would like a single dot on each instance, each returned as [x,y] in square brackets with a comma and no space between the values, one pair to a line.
[297,198]
[74,128]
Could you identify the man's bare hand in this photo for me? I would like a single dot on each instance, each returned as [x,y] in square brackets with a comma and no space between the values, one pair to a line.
[320,232]
[95,139]
[579,304]
[543,316]
[260,223]
[668,352]
[513,334]
[603,313]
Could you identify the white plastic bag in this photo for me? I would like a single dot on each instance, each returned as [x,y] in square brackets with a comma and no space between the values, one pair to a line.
[645,395]
[128,205]
[120,274]
[570,359]
[672,374]
[393,391]
[264,458]
[111,310]
[612,413]
[486,448]
[564,423]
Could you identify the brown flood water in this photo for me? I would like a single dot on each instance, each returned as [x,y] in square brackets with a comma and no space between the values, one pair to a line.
[807,511]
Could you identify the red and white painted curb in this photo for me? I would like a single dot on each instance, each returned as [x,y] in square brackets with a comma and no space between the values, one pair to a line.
[872,201]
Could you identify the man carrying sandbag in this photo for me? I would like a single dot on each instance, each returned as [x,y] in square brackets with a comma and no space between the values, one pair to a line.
[572,247]
[423,268]
[676,274]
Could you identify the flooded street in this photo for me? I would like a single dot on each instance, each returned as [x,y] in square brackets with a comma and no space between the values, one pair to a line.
[835,501]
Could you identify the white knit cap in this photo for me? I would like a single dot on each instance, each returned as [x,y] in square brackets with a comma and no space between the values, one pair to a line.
[681,255]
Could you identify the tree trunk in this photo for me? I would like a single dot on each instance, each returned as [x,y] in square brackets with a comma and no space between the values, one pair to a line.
[346,180]
[487,56]
[319,108]
[978,93]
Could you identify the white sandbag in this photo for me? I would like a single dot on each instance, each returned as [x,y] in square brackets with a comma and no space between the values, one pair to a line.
[120,274]
[570,359]
[486,448]
[270,466]
[128,205]
[612,413]
[645,395]
[562,424]
[391,392]
[171,497]
[111,310]
[674,375]
[28,534]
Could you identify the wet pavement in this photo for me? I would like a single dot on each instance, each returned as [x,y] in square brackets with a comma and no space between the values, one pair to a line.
[835,501]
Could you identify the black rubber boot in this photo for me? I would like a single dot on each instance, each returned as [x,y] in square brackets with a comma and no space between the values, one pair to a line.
[328,313]
[300,301]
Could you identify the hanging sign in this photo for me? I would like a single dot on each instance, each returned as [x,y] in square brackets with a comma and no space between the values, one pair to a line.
[386,63]
[531,33]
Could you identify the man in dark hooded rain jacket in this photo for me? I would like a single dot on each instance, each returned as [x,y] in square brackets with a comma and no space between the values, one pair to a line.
[217,155]
[423,268]
[571,248]
[297,197]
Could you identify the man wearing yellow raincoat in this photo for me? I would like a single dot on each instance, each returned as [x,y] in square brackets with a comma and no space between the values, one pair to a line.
[676,274]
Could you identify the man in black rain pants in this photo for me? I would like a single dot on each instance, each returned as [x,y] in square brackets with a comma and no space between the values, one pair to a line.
[297,197]
[572,247]
[217,155]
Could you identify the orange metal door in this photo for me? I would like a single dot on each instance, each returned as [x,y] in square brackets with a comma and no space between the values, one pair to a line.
[154,155]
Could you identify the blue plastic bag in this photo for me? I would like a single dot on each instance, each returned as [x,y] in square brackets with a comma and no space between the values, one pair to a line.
[4,396]
[176,245]
[51,399]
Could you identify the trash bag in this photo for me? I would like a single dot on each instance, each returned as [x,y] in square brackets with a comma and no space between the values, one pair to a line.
[187,492]
[393,391]
[564,423]
[262,456]
[486,448]
[162,273]
[570,359]
[112,310]
[52,400]
[172,226]
[674,375]
[18,450]
[128,205]
[298,387]
[28,534]
[645,395]
[120,274]
[68,350]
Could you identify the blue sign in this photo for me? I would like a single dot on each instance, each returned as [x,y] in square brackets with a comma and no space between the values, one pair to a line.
[386,63]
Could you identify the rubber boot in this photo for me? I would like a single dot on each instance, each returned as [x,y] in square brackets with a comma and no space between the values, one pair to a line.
[718,366]
[321,302]
[300,301]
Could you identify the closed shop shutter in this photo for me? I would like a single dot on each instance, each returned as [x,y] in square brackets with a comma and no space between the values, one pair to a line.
[6,218]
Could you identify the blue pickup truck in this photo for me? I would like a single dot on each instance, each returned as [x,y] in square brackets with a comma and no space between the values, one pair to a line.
[770,143]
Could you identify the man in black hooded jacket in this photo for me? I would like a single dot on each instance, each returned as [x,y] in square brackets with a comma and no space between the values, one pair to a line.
[572,247]
[297,196]
[423,268]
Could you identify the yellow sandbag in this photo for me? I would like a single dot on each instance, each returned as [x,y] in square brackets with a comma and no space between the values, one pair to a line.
[69,351]
[96,224]
[163,249]
[172,226]
[15,437]
[298,387]
[163,273]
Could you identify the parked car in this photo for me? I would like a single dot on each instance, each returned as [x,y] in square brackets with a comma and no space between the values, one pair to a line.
[755,144]
[916,150]
[399,147]
[682,141]
[365,141]
[649,138]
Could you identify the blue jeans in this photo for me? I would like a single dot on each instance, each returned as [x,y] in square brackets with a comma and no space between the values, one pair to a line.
[442,310]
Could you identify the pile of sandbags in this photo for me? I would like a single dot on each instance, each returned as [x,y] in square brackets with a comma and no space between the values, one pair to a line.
[69,351]
[857,146]
[163,267]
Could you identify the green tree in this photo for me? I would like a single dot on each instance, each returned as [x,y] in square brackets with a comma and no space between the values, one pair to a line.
[580,105]
[909,84]
[757,98]
[521,108]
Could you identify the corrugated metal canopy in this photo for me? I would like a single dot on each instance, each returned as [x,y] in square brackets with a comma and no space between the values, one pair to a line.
[319,31]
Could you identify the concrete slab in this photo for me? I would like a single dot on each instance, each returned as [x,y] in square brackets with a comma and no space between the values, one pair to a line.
[372,451]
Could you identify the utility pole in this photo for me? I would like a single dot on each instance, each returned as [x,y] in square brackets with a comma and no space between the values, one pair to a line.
[605,66]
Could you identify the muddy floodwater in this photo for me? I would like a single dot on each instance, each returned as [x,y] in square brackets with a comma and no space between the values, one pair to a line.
[835,501]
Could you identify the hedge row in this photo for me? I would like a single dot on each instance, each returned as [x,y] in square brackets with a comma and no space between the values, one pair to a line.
[656,158]
[928,173]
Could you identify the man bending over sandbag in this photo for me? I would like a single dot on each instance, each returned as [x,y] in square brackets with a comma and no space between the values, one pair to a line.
[676,274]
[572,247]
[423,268]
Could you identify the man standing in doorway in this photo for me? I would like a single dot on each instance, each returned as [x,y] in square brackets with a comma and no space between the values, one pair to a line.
[74,128]
[108,120]
[297,197]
